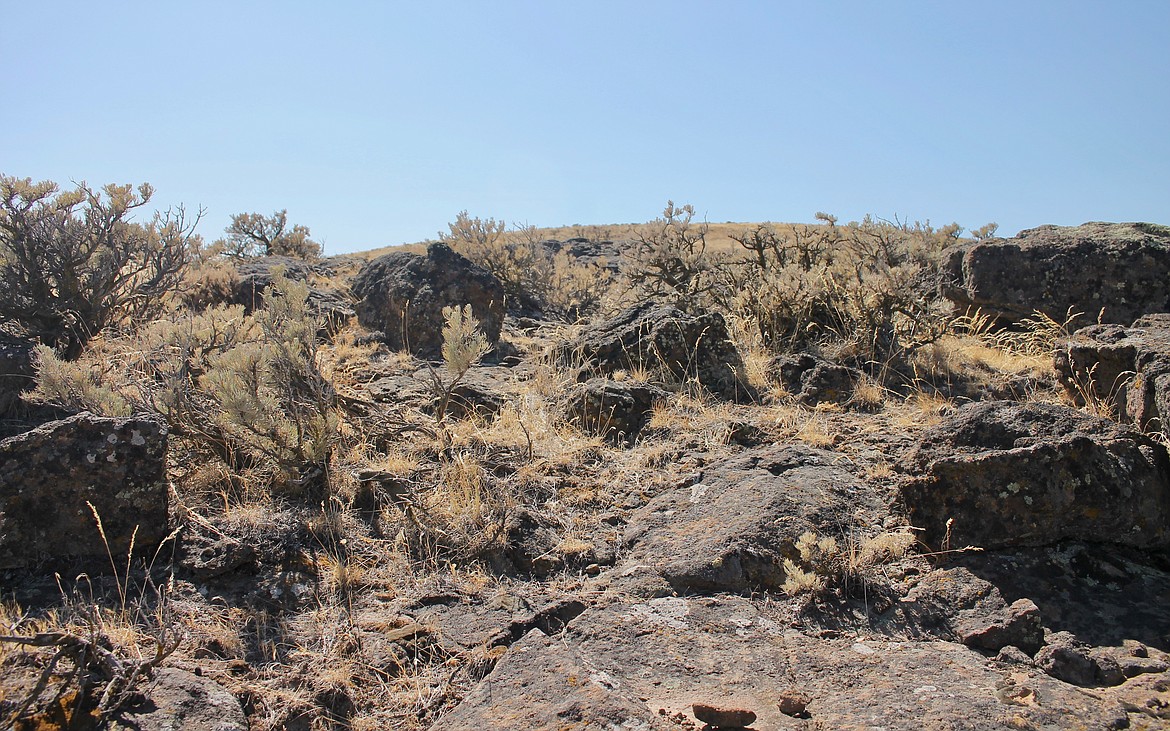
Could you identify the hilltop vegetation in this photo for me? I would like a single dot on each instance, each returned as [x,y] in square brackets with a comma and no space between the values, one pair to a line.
[386,469]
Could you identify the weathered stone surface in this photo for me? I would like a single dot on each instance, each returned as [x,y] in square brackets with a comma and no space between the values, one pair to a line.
[483,390]
[256,275]
[812,380]
[47,476]
[1010,474]
[720,717]
[1127,367]
[731,530]
[177,699]
[956,604]
[1112,271]
[613,409]
[404,294]
[541,684]
[1066,658]
[653,335]
[618,664]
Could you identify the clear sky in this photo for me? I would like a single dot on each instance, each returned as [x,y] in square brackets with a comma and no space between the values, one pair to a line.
[374,123]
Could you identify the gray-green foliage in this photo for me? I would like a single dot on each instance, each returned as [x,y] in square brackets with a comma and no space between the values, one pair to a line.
[249,387]
[72,264]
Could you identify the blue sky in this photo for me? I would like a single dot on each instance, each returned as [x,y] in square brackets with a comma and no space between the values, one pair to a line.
[374,123]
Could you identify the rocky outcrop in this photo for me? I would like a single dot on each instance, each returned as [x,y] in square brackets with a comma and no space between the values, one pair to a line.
[482,391]
[649,664]
[658,336]
[1127,368]
[812,380]
[1005,474]
[732,529]
[403,295]
[51,476]
[615,410]
[256,274]
[1110,272]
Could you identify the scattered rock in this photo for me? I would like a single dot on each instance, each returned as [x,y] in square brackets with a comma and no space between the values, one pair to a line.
[1066,658]
[178,699]
[723,717]
[794,702]
[1126,367]
[653,335]
[49,474]
[812,380]
[612,409]
[1110,272]
[732,529]
[1017,625]
[1001,474]
[403,295]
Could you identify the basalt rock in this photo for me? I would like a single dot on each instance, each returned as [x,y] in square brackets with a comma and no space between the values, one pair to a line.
[658,336]
[1110,272]
[614,410]
[1004,474]
[54,478]
[403,295]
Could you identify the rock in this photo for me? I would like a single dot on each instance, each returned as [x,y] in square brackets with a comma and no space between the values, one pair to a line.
[1066,658]
[1012,655]
[1110,272]
[793,702]
[483,390]
[177,699]
[1125,367]
[613,409]
[545,685]
[256,274]
[812,380]
[723,717]
[1000,474]
[975,611]
[654,335]
[1016,625]
[526,547]
[615,664]
[47,476]
[732,529]
[403,295]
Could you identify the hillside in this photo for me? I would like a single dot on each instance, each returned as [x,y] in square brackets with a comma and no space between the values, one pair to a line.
[862,475]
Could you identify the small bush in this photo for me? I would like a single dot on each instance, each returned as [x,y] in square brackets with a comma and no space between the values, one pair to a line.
[670,260]
[251,234]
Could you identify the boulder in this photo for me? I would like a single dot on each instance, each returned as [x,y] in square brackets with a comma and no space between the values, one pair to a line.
[483,390]
[654,335]
[334,307]
[812,380]
[49,474]
[732,529]
[1005,474]
[403,295]
[612,409]
[1128,368]
[1110,272]
[177,699]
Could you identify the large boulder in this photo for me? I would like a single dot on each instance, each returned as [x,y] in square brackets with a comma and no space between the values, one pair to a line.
[403,295]
[1128,368]
[653,335]
[1110,272]
[1003,474]
[51,476]
[732,530]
